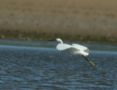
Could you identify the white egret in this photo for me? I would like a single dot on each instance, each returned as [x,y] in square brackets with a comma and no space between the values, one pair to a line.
[75,49]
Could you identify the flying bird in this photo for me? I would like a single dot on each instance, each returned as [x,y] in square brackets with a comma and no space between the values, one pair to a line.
[75,49]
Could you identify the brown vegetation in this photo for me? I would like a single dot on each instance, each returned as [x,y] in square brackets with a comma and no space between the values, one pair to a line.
[73,19]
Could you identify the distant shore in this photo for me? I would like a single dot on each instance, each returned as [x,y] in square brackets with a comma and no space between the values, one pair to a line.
[93,20]
[43,36]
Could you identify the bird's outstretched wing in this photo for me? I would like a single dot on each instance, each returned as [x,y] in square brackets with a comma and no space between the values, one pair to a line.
[78,46]
[62,47]
[66,47]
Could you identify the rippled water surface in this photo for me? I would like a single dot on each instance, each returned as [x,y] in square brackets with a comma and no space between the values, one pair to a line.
[45,68]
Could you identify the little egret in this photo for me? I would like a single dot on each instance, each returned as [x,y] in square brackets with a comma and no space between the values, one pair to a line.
[75,49]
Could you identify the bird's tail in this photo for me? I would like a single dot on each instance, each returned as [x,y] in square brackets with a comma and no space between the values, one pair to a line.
[90,62]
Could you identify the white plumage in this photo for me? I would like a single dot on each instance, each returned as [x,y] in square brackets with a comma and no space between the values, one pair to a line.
[75,49]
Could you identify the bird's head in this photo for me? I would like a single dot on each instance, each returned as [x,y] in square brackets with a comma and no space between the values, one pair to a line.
[59,40]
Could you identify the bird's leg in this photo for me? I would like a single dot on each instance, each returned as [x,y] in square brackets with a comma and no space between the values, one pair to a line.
[90,62]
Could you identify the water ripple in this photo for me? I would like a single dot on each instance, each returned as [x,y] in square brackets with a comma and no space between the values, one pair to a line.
[24,68]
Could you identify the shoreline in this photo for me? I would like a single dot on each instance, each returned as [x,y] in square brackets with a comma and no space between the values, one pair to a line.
[43,36]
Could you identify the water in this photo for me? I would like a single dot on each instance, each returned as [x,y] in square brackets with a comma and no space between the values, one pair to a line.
[44,68]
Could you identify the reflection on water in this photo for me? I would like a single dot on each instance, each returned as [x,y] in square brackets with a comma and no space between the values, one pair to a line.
[26,68]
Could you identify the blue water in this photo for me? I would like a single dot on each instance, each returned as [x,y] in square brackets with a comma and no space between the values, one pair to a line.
[45,68]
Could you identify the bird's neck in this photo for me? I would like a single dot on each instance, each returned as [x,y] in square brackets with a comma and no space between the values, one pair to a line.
[61,41]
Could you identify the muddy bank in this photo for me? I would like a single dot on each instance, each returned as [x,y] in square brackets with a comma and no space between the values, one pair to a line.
[47,19]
